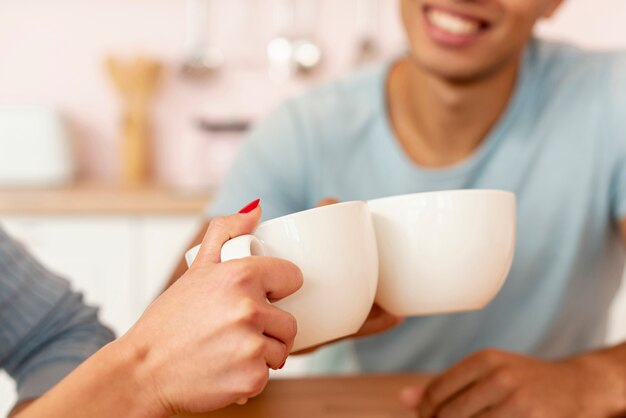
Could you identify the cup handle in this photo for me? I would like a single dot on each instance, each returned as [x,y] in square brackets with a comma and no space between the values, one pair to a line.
[238,247]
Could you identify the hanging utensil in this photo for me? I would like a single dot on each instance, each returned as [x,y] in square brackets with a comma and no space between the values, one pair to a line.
[203,59]
[294,51]
[367,21]
[280,48]
[307,54]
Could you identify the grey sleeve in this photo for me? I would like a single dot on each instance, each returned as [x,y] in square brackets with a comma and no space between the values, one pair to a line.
[46,330]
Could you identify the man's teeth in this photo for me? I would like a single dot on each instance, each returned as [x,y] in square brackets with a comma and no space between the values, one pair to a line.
[453,24]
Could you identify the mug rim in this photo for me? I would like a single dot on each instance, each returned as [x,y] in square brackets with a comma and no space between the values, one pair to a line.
[308,211]
[445,192]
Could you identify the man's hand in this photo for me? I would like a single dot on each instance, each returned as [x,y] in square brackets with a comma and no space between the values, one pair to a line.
[378,320]
[495,384]
[209,339]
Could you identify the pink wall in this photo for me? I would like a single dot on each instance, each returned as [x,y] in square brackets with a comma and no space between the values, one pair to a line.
[51,53]
[590,23]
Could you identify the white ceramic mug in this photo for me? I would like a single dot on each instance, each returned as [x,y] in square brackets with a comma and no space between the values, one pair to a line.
[442,252]
[335,247]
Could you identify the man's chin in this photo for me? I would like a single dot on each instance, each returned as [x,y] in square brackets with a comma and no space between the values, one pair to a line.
[455,71]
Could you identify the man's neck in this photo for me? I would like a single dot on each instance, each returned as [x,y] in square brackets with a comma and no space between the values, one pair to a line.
[439,122]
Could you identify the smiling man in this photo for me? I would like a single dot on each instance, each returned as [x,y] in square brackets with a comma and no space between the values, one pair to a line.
[478,103]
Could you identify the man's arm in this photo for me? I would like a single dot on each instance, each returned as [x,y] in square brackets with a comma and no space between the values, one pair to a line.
[493,383]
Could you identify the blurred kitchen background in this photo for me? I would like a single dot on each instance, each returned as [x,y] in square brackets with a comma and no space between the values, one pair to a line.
[118,118]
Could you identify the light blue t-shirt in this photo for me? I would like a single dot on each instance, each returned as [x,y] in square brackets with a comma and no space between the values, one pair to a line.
[560,147]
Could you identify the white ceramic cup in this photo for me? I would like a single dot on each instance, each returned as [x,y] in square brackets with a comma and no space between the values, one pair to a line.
[443,252]
[335,247]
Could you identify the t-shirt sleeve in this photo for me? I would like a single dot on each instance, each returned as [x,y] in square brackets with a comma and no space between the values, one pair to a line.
[619,209]
[617,90]
[45,328]
[271,165]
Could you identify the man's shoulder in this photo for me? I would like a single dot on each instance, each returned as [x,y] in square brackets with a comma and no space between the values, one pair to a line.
[357,93]
[555,58]
[566,76]
[587,84]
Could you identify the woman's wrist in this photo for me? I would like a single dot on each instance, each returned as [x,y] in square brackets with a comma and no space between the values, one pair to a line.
[133,380]
[111,383]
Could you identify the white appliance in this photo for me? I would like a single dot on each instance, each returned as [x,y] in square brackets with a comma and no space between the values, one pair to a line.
[35,150]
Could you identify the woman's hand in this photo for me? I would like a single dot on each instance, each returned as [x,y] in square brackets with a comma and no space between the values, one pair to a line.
[209,340]
[206,342]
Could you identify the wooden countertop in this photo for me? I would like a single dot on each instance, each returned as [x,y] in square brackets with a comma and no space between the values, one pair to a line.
[87,199]
[373,396]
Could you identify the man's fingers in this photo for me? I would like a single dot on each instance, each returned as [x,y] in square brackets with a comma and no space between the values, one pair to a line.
[457,378]
[222,229]
[378,321]
[501,411]
[411,396]
[327,201]
[480,397]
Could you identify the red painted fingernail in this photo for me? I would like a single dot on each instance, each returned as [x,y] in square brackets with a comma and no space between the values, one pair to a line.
[250,206]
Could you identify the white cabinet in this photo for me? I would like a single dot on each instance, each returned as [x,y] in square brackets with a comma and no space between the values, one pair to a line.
[161,242]
[119,263]
[7,394]
[94,254]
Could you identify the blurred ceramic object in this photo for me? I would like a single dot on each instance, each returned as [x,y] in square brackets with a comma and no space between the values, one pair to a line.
[35,149]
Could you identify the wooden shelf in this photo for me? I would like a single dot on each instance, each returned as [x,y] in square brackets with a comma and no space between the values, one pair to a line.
[89,198]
